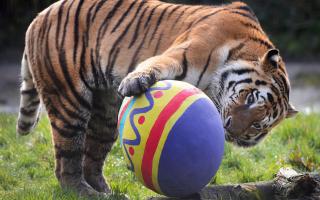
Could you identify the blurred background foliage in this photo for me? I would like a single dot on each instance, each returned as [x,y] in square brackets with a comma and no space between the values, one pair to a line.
[293,25]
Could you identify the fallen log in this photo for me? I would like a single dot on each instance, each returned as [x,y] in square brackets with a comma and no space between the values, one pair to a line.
[288,184]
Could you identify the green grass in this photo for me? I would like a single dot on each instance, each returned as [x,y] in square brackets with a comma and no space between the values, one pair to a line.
[27,163]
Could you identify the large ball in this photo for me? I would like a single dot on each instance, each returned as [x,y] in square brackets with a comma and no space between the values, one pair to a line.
[172,138]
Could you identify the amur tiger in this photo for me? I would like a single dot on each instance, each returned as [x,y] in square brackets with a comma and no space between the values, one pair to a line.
[82,56]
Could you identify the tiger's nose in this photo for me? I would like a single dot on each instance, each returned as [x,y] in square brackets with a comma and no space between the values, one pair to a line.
[236,127]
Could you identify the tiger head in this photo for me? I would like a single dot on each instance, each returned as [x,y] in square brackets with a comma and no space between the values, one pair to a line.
[254,98]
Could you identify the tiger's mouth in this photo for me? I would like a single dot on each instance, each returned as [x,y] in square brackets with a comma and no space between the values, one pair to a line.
[239,141]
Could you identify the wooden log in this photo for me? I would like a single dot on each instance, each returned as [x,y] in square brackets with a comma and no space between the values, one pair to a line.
[288,184]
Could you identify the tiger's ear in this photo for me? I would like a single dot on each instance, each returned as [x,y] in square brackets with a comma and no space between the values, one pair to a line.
[291,111]
[271,60]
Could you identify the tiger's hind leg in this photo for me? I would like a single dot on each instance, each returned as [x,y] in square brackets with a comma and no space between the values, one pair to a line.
[69,125]
[101,134]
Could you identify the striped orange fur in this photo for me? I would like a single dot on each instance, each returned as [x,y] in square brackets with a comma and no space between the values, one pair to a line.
[82,56]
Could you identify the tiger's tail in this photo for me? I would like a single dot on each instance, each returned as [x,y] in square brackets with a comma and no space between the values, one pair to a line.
[29,100]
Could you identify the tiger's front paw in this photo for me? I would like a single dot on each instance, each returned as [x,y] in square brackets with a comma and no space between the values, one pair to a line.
[136,83]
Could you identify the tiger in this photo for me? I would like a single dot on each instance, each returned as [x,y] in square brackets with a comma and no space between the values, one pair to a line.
[82,57]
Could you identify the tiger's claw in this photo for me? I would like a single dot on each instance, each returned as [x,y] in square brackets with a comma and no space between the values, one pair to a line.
[136,83]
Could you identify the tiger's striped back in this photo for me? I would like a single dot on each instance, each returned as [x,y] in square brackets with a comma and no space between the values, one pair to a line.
[115,36]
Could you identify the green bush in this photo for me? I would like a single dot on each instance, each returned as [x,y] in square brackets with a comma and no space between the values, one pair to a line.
[293,25]
[15,16]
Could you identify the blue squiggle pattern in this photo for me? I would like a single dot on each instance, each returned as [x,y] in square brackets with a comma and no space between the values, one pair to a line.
[122,122]
[137,111]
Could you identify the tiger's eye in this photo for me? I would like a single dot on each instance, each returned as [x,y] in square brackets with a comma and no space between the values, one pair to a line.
[250,99]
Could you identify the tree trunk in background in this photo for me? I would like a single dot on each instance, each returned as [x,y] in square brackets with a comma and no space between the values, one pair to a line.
[287,184]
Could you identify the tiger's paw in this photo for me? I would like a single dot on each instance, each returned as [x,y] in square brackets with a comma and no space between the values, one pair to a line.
[82,188]
[98,183]
[136,83]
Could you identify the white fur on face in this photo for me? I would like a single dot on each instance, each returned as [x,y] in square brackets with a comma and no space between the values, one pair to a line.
[230,97]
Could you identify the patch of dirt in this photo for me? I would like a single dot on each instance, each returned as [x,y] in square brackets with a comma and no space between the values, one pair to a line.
[9,87]
[305,83]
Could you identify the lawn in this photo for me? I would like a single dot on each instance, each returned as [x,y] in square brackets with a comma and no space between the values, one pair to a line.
[27,164]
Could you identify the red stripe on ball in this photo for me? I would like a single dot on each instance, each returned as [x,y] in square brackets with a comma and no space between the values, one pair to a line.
[156,132]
